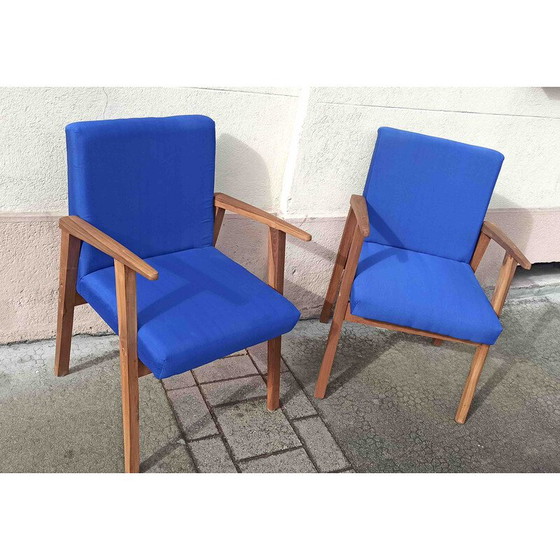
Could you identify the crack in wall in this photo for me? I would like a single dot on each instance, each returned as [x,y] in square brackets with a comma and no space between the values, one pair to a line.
[404,108]
[106,102]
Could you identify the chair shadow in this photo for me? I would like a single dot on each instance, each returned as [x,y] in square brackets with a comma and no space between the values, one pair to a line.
[95,361]
[237,164]
[182,269]
[498,377]
[552,93]
[337,382]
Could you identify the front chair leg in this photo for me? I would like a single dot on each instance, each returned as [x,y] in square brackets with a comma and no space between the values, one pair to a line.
[470,385]
[273,377]
[126,307]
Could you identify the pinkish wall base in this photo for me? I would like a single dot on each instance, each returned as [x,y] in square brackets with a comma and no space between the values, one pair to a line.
[29,255]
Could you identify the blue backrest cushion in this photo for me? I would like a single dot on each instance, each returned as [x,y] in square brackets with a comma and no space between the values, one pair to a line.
[429,194]
[148,183]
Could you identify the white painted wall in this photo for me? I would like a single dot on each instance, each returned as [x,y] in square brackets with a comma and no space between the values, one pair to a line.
[253,130]
[341,125]
[298,152]
[311,148]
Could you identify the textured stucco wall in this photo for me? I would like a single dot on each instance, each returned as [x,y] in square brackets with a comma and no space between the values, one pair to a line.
[341,124]
[253,130]
[300,153]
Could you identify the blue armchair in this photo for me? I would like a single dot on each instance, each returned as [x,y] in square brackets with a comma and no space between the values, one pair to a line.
[411,246]
[138,246]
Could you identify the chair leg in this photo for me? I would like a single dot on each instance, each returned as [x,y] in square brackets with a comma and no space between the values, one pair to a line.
[330,350]
[437,341]
[126,308]
[69,254]
[338,269]
[131,417]
[273,376]
[341,308]
[470,385]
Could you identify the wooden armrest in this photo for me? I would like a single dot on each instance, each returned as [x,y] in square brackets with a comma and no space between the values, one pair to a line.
[359,207]
[84,231]
[495,233]
[233,205]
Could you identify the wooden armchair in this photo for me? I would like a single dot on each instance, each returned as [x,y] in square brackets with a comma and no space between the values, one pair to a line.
[392,269]
[149,183]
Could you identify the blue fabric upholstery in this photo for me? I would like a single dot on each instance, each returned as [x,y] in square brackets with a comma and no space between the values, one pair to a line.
[422,291]
[204,306]
[428,194]
[148,183]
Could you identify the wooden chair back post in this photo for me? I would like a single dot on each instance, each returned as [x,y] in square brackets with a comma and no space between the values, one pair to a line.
[218,219]
[480,249]
[67,297]
[505,277]
[341,308]
[275,274]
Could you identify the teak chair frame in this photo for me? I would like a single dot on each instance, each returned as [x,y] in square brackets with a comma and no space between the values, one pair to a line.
[356,229]
[127,264]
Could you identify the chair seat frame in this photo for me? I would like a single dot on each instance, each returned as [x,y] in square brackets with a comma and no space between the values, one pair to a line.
[75,230]
[356,229]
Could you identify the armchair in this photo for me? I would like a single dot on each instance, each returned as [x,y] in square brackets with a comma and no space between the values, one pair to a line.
[411,245]
[139,248]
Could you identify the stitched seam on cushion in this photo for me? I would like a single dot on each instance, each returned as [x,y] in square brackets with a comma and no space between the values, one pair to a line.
[419,252]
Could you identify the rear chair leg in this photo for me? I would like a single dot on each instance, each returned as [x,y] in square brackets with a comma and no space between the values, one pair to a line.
[338,269]
[275,274]
[470,385]
[437,341]
[341,308]
[273,378]
[69,254]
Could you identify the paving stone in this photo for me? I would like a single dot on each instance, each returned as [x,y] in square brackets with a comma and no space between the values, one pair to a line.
[179,381]
[176,461]
[251,429]
[259,353]
[156,429]
[323,448]
[294,401]
[234,390]
[192,412]
[226,368]
[238,353]
[211,456]
[292,461]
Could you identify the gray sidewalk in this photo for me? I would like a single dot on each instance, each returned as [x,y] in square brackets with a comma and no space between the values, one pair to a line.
[389,407]
[213,419]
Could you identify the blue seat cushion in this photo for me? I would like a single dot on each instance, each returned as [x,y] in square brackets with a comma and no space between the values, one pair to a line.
[424,292]
[203,306]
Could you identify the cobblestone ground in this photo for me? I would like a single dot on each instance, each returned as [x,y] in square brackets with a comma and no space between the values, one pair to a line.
[389,407]
[392,397]
[212,419]
[221,411]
